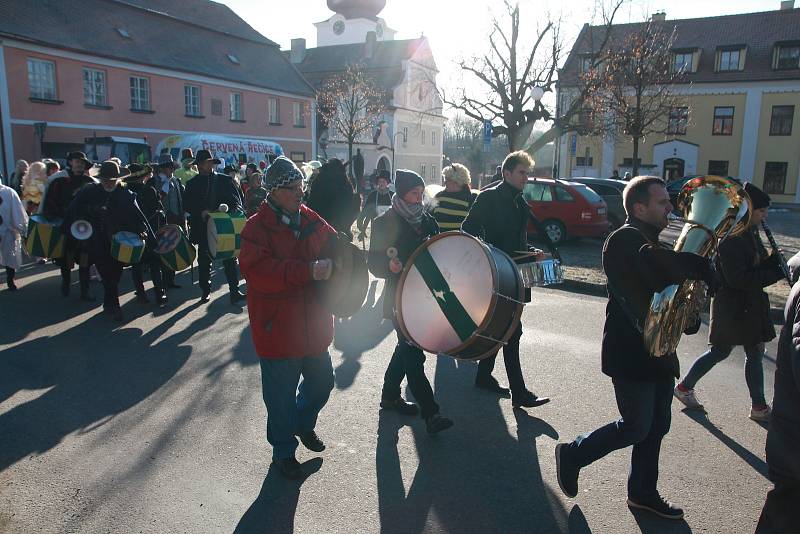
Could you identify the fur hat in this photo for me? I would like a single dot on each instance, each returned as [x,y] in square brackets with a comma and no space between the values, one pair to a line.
[406,180]
[457,173]
[758,198]
[282,172]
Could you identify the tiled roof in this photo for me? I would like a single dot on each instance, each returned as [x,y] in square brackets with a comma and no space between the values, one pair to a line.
[758,32]
[198,43]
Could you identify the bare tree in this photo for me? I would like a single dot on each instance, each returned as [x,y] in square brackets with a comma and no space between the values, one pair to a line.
[637,88]
[350,104]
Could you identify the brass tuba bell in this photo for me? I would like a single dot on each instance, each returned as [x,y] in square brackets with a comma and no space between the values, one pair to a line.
[713,208]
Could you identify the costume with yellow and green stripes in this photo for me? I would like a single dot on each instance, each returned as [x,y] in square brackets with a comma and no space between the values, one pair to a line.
[452,208]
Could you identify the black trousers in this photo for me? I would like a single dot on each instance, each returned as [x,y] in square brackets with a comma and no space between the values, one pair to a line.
[513,368]
[204,259]
[154,264]
[10,273]
[110,271]
[65,263]
[409,361]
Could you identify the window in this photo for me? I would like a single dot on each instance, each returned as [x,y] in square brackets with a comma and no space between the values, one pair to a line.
[298,157]
[605,191]
[628,162]
[94,87]
[299,117]
[236,107]
[781,121]
[683,62]
[422,170]
[584,161]
[586,118]
[562,195]
[788,57]
[433,138]
[42,79]
[678,119]
[585,63]
[422,133]
[537,192]
[433,172]
[405,135]
[191,100]
[723,121]
[274,111]
[729,60]
[775,177]
[140,93]
[216,106]
[717,168]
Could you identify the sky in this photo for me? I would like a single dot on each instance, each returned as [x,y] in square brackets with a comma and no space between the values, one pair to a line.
[454,27]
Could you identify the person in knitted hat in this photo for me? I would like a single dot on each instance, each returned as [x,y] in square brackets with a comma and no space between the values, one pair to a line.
[740,309]
[453,203]
[281,259]
[402,229]
[377,202]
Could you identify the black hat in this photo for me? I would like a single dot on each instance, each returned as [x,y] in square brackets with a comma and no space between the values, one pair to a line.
[165,160]
[406,180]
[758,198]
[137,172]
[80,156]
[109,170]
[229,168]
[252,165]
[187,155]
[386,175]
[205,155]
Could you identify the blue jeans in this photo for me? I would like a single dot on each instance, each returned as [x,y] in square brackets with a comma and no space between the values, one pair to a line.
[292,410]
[646,417]
[753,368]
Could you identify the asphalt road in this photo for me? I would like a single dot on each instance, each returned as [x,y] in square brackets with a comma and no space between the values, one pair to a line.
[157,426]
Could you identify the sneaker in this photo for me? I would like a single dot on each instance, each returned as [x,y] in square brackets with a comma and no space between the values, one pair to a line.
[491,384]
[566,472]
[658,506]
[761,414]
[528,400]
[161,299]
[400,406]
[686,396]
[311,441]
[290,468]
[436,423]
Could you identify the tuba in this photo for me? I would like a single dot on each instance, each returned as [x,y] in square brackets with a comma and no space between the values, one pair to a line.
[713,208]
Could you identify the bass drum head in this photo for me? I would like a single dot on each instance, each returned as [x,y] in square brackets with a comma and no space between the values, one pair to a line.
[344,293]
[446,292]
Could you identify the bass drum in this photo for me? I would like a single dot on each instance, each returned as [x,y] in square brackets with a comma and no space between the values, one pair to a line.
[459,296]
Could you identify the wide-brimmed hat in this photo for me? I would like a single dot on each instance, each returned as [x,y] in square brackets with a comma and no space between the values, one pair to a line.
[80,156]
[137,172]
[187,155]
[109,170]
[205,155]
[386,175]
[166,160]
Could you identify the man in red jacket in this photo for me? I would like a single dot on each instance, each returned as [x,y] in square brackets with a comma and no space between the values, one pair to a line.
[280,258]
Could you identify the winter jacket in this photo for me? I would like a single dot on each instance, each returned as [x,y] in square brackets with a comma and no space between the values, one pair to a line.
[205,192]
[60,193]
[286,317]
[375,202]
[452,208]
[740,309]
[333,198]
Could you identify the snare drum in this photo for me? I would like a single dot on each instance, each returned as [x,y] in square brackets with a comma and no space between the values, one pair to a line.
[174,248]
[541,273]
[459,296]
[45,238]
[127,247]
[225,234]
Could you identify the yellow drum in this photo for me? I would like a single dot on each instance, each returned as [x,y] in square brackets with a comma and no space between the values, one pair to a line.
[45,238]
[225,234]
[127,247]
[174,248]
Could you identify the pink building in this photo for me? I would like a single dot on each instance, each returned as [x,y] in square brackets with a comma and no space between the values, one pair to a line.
[143,69]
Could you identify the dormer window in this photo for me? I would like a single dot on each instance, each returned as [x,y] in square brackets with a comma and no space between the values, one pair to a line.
[683,61]
[787,56]
[585,63]
[233,59]
[730,58]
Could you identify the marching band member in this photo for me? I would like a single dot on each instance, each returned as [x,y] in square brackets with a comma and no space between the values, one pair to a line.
[109,208]
[204,193]
[13,225]
[376,203]
[171,191]
[255,195]
[500,217]
[636,266]
[402,229]
[281,259]
[331,195]
[455,200]
[188,169]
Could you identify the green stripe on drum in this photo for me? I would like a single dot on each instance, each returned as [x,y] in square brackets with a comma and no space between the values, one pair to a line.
[448,302]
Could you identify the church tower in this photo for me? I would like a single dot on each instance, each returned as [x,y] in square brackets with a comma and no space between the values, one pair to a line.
[352,21]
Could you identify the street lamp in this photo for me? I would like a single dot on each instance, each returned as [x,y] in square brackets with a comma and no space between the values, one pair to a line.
[394,141]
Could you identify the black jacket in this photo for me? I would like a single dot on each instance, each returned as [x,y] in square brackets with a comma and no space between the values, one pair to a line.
[740,309]
[205,192]
[333,198]
[150,203]
[391,230]
[637,266]
[371,203]
[61,192]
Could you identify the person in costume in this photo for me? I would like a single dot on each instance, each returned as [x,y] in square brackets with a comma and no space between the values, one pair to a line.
[33,185]
[404,227]
[171,191]
[377,202]
[331,195]
[13,225]
[281,258]
[188,169]
[204,194]
[255,195]
[139,181]
[455,200]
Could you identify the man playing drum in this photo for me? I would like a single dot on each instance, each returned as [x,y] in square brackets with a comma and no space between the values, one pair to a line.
[280,259]
[500,217]
[171,190]
[395,236]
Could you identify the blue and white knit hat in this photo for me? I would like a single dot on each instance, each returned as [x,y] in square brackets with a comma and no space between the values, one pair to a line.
[282,172]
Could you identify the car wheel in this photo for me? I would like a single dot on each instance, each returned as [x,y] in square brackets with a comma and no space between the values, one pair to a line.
[555,231]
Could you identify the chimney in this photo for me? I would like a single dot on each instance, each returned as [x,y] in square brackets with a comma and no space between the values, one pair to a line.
[369,46]
[659,16]
[298,53]
[787,4]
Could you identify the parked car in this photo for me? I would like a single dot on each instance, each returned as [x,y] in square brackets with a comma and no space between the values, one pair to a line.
[674,189]
[566,209]
[609,190]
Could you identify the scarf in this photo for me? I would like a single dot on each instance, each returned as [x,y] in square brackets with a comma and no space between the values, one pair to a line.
[292,220]
[412,213]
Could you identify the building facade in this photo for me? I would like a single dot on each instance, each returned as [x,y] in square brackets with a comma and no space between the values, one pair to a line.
[141,71]
[741,113]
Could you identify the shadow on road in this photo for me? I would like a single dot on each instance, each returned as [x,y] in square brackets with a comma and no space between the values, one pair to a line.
[652,524]
[751,459]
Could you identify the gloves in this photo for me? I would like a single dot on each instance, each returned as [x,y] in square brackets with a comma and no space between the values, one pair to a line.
[321,269]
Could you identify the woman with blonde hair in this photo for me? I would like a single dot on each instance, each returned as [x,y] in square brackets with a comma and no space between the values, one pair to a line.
[455,200]
[33,185]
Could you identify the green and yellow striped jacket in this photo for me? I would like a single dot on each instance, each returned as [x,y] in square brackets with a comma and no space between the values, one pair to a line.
[452,208]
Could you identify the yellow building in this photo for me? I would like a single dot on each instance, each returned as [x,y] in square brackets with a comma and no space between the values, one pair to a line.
[742,101]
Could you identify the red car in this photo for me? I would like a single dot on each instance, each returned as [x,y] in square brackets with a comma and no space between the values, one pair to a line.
[566,209]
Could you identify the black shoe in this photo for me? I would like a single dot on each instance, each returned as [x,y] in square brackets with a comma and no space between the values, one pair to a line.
[290,468]
[206,296]
[161,299]
[311,441]
[12,286]
[86,296]
[491,384]
[528,400]
[173,285]
[237,296]
[436,423]
[658,506]
[566,472]
[400,406]
[142,298]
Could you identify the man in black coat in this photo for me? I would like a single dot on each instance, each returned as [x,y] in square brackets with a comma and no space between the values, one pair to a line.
[500,216]
[636,266]
[331,195]
[781,512]
[204,194]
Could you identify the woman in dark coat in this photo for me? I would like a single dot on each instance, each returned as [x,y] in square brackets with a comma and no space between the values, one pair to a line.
[331,195]
[740,310]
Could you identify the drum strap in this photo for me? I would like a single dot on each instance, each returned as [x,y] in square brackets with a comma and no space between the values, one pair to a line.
[448,302]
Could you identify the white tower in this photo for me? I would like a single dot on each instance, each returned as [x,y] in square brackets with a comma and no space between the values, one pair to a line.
[352,21]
